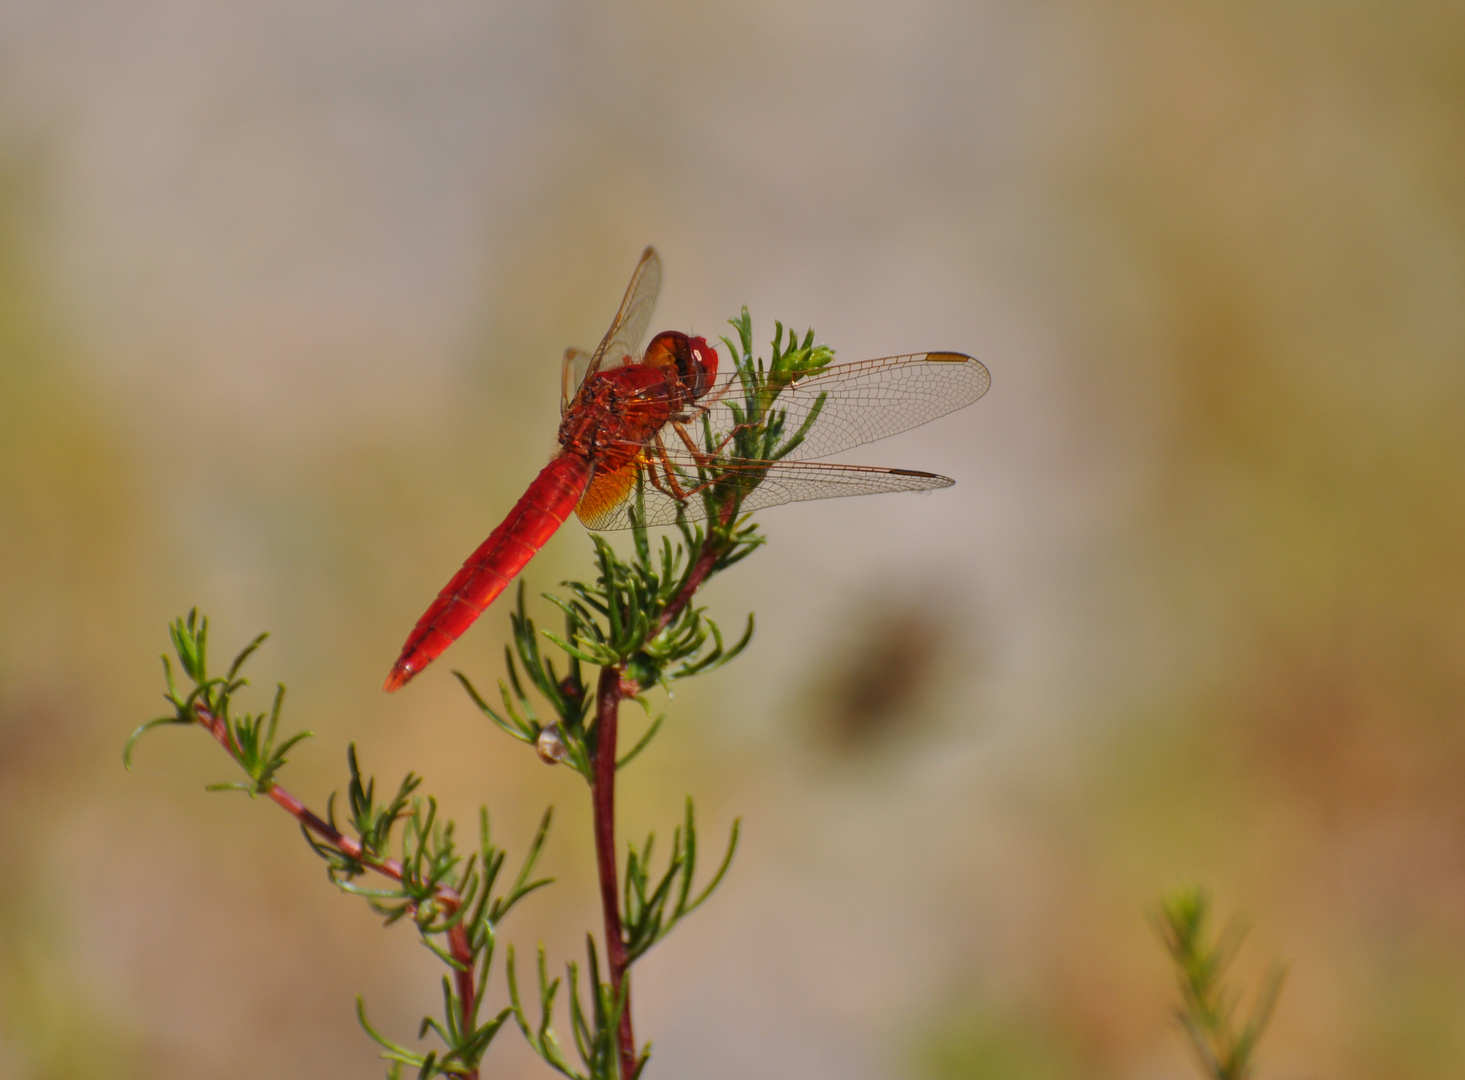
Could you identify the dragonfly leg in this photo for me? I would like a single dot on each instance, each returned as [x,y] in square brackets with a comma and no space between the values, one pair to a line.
[705,457]
[701,457]
[672,486]
[661,486]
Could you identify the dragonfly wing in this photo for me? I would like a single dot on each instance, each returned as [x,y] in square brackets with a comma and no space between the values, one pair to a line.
[623,339]
[572,374]
[848,405]
[648,498]
[604,503]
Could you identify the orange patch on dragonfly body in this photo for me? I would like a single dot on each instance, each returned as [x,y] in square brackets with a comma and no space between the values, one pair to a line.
[607,492]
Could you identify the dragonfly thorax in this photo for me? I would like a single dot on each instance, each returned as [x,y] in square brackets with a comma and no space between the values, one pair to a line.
[617,412]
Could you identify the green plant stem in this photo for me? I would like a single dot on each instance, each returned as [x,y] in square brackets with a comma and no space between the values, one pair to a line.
[458,944]
[603,799]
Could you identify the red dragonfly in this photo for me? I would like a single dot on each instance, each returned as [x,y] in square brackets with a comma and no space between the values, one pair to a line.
[642,435]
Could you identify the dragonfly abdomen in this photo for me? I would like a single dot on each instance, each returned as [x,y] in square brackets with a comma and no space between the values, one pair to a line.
[540,511]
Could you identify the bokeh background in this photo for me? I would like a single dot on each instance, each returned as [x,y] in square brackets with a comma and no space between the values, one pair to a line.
[283,291]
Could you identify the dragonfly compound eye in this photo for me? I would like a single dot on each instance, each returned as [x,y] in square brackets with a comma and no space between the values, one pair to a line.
[694,359]
[701,367]
[667,349]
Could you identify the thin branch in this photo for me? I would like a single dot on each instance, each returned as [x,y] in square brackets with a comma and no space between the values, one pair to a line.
[607,710]
[716,544]
[459,947]
[706,560]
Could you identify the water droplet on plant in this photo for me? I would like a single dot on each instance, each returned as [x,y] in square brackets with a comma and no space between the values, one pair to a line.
[551,745]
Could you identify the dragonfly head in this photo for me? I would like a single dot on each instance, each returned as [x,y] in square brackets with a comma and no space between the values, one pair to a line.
[694,359]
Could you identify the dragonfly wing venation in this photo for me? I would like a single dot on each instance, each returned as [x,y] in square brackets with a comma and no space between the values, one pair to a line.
[766,484]
[572,373]
[623,339]
[606,497]
[856,403]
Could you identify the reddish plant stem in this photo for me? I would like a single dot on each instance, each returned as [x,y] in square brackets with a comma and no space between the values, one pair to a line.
[458,945]
[608,693]
[603,800]
[700,569]
[713,547]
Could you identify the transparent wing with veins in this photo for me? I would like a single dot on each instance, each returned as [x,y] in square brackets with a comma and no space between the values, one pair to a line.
[839,407]
[848,405]
[572,374]
[622,342]
[652,501]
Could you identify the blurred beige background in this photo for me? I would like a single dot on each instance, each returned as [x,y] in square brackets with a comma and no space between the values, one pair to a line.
[283,289]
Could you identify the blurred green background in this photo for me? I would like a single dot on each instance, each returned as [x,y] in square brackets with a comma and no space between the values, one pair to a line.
[283,291]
